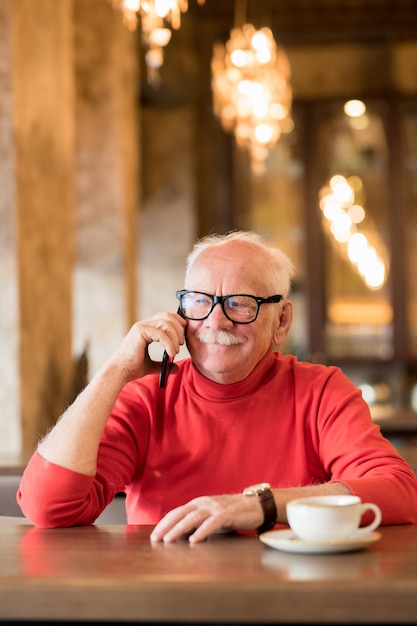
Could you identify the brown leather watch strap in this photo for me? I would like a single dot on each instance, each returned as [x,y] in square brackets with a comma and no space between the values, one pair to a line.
[270,510]
[266,498]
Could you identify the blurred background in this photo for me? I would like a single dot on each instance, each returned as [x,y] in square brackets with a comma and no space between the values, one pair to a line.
[117,152]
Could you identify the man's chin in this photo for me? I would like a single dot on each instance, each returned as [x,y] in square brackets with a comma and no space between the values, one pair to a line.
[219,369]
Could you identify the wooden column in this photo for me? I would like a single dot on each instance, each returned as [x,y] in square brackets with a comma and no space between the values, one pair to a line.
[43,118]
[68,203]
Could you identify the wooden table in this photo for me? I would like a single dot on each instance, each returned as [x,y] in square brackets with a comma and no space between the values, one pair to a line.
[115,573]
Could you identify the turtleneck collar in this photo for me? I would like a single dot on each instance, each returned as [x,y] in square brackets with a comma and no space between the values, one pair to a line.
[210,390]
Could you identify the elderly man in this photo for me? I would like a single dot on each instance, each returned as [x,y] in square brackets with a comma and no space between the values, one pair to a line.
[225,438]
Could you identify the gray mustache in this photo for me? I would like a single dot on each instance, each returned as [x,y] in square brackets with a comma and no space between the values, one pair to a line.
[220,337]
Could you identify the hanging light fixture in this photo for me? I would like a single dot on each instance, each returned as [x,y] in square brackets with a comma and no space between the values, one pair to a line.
[157,17]
[251,90]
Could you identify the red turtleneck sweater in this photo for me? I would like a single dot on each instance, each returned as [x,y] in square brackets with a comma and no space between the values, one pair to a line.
[288,423]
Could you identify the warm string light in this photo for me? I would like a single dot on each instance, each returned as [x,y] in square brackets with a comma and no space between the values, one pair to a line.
[156,19]
[251,90]
[342,212]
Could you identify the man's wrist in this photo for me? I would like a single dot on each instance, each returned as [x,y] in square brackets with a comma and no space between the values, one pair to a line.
[266,498]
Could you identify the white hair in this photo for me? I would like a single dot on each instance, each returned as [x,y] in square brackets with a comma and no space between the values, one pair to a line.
[280,267]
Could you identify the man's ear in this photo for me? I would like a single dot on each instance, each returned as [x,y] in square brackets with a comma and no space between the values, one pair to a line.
[284,324]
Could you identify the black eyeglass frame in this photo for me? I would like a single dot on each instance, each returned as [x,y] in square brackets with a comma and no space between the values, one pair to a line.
[221,299]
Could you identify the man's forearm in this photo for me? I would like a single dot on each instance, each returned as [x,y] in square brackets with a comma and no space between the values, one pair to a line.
[73,442]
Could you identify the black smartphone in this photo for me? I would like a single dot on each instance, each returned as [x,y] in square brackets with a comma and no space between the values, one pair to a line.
[167,362]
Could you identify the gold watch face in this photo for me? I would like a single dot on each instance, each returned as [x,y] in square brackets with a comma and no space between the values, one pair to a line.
[255,490]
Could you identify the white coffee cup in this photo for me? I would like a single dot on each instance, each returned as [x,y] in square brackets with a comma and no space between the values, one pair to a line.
[330,518]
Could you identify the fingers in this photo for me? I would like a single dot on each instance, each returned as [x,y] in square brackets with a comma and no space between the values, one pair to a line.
[132,356]
[204,516]
[167,329]
[164,328]
[178,523]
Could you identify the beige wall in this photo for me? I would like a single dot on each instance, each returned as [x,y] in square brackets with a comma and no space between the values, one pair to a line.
[9,363]
[107,180]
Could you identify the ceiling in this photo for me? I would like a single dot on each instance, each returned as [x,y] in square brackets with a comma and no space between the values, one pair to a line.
[308,21]
[293,22]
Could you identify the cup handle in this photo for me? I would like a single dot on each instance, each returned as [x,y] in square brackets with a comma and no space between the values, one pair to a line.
[365,530]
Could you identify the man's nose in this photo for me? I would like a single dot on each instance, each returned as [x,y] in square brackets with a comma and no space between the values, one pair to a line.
[217,316]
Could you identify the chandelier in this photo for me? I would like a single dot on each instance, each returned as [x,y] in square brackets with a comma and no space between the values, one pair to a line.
[251,88]
[156,19]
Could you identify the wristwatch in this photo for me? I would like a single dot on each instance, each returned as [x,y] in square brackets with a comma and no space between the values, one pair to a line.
[266,497]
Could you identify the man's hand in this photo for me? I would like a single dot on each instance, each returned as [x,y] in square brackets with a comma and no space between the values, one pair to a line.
[132,357]
[206,515]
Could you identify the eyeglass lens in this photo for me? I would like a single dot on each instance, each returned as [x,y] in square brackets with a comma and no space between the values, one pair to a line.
[242,309]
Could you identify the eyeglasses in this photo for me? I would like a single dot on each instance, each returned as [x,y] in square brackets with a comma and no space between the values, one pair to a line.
[196,305]
[238,308]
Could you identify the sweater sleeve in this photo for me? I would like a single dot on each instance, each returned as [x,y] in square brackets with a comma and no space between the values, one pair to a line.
[50,495]
[54,496]
[356,453]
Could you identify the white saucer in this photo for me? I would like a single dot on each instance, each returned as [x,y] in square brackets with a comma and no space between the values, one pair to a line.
[287,541]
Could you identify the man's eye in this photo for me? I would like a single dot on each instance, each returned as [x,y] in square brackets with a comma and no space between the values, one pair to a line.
[200,302]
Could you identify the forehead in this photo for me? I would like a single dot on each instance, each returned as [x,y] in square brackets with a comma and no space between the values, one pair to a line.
[234,267]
